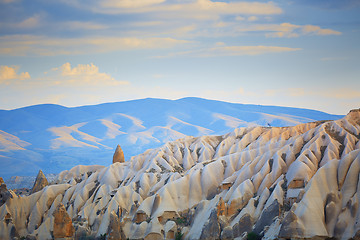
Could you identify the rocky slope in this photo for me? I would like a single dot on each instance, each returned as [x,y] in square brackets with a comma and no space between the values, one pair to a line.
[274,182]
[54,138]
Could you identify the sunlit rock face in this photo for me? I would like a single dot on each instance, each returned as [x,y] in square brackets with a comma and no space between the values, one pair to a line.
[118,155]
[286,182]
[62,227]
[40,182]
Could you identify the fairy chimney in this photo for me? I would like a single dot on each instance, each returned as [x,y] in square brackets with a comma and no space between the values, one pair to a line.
[40,182]
[118,155]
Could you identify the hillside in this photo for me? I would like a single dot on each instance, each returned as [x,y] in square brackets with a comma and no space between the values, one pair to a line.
[54,138]
[275,182]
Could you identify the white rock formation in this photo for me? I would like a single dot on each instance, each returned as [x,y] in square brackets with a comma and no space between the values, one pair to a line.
[300,182]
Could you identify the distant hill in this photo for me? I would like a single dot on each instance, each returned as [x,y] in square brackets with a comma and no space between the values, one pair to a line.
[54,138]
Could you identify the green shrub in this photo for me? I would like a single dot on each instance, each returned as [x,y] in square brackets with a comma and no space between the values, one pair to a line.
[180,221]
[178,235]
[253,236]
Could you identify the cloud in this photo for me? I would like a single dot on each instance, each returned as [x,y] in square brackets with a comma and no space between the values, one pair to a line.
[283,30]
[252,18]
[198,9]
[239,18]
[221,50]
[289,30]
[30,22]
[340,93]
[311,29]
[82,75]
[128,3]
[220,24]
[10,73]
[23,45]
[78,25]
[221,29]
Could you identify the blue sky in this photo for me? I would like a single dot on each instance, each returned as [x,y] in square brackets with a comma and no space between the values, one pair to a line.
[299,53]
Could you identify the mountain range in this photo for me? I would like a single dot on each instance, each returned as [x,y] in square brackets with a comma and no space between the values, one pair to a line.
[54,138]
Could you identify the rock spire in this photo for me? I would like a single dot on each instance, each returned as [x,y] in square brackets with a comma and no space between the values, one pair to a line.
[40,182]
[118,155]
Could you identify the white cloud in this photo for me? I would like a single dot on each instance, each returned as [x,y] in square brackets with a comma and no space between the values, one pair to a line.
[289,30]
[128,3]
[252,18]
[221,24]
[22,45]
[35,21]
[221,50]
[196,9]
[316,30]
[82,75]
[10,73]
[249,50]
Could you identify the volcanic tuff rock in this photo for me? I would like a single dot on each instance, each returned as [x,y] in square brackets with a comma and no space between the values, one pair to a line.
[5,194]
[62,223]
[118,155]
[40,182]
[300,181]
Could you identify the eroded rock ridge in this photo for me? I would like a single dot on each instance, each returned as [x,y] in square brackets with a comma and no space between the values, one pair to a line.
[288,182]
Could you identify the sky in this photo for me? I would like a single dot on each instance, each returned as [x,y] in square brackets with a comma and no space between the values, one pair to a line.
[296,53]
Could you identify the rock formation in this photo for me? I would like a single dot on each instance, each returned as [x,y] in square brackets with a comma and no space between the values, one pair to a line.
[115,231]
[40,182]
[118,155]
[288,182]
[5,194]
[1,180]
[63,227]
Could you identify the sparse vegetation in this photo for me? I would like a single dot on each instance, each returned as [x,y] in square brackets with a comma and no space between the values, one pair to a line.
[180,221]
[179,235]
[253,236]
